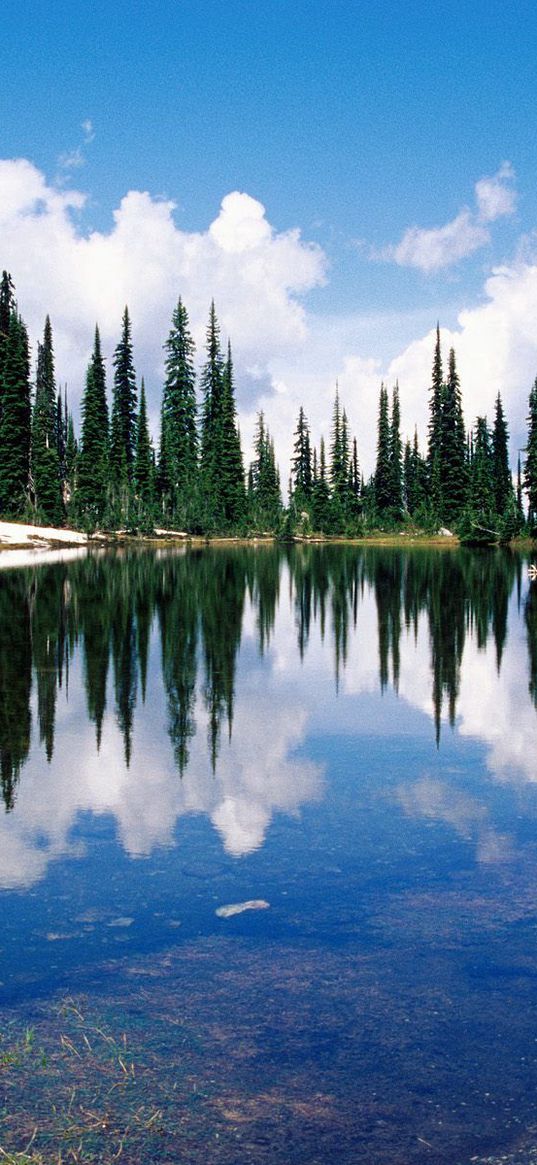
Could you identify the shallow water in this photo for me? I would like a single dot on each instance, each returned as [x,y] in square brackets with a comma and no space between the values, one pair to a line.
[345,740]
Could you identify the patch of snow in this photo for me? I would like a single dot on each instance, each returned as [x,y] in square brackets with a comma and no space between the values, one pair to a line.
[19,534]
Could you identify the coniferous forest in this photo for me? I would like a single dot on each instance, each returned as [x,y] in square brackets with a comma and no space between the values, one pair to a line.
[110,476]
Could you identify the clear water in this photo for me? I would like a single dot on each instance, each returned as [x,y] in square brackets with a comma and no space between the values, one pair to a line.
[344,737]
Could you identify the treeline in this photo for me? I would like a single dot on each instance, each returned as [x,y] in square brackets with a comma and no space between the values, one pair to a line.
[103,611]
[110,476]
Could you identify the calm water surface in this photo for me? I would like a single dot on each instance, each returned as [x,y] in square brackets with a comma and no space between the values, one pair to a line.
[345,739]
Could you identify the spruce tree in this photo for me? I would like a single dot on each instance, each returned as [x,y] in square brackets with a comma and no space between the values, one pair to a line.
[383,483]
[15,419]
[212,385]
[503,483]
[530,464]
[143,464]
[45,462]
[434,452]
[396,457]
[264,481]
[7,309]
[322,508]
[415,479]
[93,469]
[123,424]
[178,460]
[301,467]
[479,522]
[453,481]
[230,461]
[339,452]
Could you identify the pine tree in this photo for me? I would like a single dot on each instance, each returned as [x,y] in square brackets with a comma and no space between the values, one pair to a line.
[383,483]
[143,464]
[453,475]
[396,457]
[503,482]
[301,467]
[93,469]
[45,462]
[415,479]
[178,460]
[530,464]
[123,424]
[434,452]
[212,379]
[320,496]
[339,452]
[230,461]
[7,309]
[479,522]
[264,481]
[15,418]
[212,385]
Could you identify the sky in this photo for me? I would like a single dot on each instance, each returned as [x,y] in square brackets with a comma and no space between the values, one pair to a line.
[338,177]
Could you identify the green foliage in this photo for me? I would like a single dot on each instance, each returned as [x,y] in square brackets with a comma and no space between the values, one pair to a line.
[144,474]
[15,418]
[222,471]
[301,465]
[530,464]
[92,467]
[178,458]
[453,479]
[45,461]
[123,423]
[264,493]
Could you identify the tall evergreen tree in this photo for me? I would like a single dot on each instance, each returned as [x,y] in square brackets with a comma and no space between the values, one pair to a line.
[503,482]
[453,471]
[383,484]
[264,480]
[45,462]
[434,451]
[301,466]
[7,309]
[123,424]
[415,479]
[320,496]
[15,419]
[178,460]
[396,456]
[93,471]
[530,464]
[339,452]
[230,461]
[143,465]
[479,522]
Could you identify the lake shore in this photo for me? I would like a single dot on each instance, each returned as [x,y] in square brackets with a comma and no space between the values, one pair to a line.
[18,536]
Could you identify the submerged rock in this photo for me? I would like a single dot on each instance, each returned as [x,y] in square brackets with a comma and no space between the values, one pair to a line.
[240,907]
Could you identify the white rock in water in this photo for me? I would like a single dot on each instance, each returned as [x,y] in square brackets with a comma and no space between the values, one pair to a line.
[239,907]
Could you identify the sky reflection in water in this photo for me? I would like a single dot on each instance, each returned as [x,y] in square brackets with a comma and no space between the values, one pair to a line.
[349,734]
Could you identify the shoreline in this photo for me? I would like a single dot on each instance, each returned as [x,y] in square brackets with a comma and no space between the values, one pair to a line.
[19,536]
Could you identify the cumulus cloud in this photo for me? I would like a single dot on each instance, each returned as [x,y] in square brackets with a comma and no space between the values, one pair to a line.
[256,274]
[285,354]
[435,248]
[431,250]
[495,196]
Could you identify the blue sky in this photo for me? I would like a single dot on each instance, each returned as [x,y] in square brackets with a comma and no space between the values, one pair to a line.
[350,124]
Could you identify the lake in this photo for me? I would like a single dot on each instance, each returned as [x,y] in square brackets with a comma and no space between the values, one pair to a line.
[268,856]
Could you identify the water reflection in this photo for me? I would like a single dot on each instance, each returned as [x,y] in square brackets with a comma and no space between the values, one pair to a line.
[138,641]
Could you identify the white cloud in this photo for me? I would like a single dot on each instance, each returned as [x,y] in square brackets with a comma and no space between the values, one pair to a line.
[495,196]
[431,250]
[88,130]
[285,356]
[436,248]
